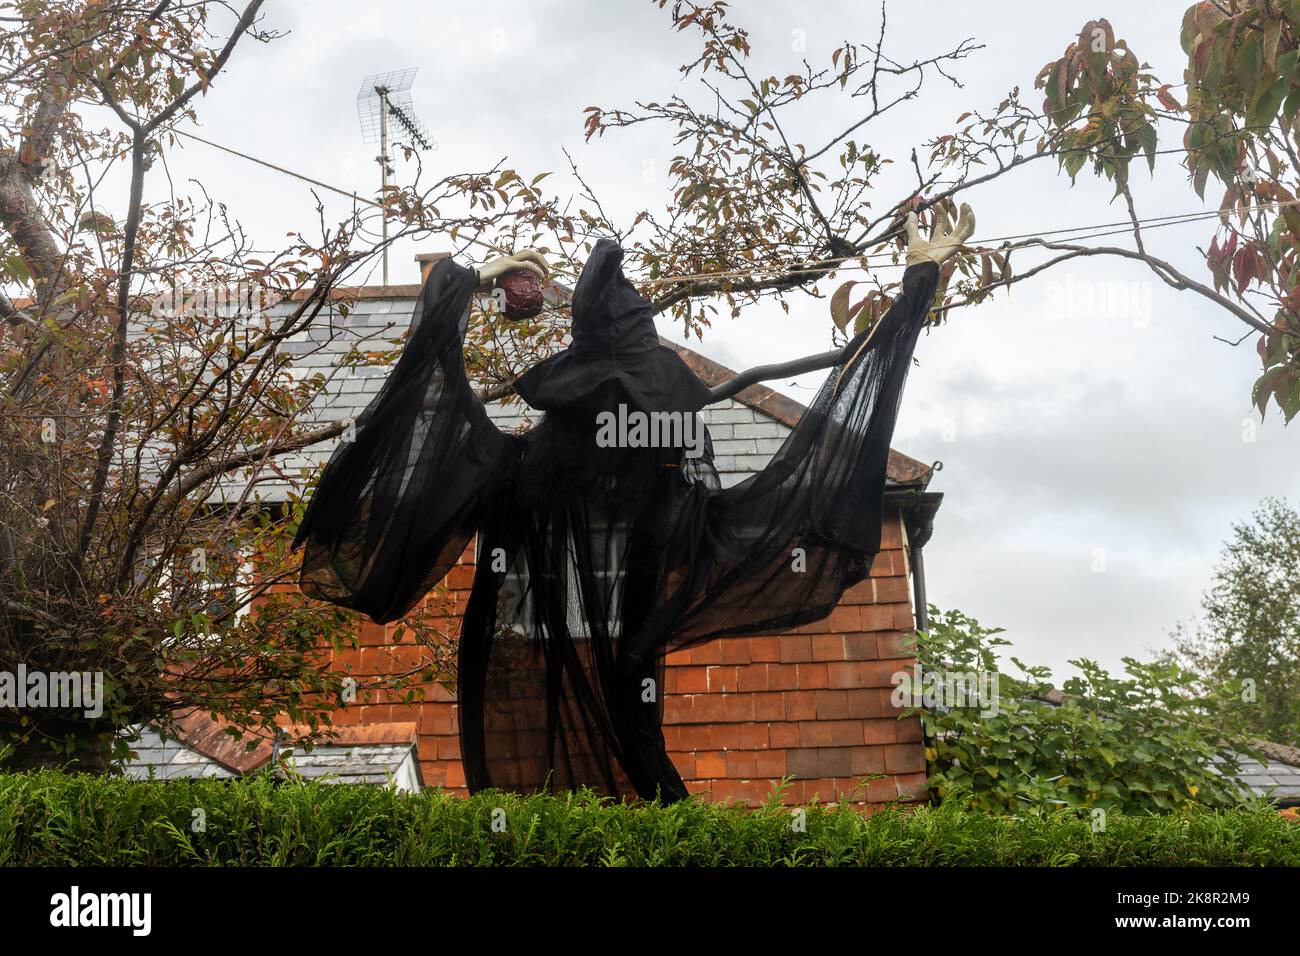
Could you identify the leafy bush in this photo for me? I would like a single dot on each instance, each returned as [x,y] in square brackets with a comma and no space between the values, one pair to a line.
[1143,742]
[54,819]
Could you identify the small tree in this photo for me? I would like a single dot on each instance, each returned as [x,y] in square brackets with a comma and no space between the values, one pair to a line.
[145,390]
[1237,126]
[1151,740]
[1250,630]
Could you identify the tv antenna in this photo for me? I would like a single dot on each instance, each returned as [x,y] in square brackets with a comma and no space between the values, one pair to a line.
[383,95]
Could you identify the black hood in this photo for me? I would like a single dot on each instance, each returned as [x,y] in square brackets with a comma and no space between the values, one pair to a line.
[614,356]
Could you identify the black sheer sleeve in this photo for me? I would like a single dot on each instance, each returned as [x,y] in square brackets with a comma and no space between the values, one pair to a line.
[779,549]
[396,505]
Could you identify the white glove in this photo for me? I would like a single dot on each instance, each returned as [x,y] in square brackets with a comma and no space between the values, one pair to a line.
[529,259]
[944,240]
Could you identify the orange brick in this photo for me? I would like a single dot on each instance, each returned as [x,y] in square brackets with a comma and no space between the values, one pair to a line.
[455,776]
[878,617]
[835,761]
[437,718]
[830,733]
[796,648]
[752,677]
[800,705]
[709,708]
[904,758]
[689,680]
[769,706]
[784,735]
[741,764]
[709,653]
[674,658]
[843,618]
[912,786]
[811,676]
[881,730]
[782,676]
[882,790]
[721,678]
[748,792]
[765,648]
[895,644]
[734,650]
[893,590]
[737,736]
[910,730]
[868,760]
[860,594]
[685,765]
[863,703]
[878,673]
[903,616]
[860,647]
[738,707]
[887,563]
[696,737]
[770,763]
[831,704]
[710,765]
[828,647]
[677,708]
[842,675]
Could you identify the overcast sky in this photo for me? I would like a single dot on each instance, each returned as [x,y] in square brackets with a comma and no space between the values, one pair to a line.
[1094,455]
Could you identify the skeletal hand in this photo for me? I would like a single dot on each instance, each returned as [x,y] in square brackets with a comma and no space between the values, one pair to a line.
[529,259]
[944,240]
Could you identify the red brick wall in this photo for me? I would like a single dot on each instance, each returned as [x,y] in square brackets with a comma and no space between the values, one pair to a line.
[740,713]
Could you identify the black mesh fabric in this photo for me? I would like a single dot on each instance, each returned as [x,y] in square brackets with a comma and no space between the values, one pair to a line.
[593,562]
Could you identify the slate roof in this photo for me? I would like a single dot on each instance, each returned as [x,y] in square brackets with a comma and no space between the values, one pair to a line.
[1277,776]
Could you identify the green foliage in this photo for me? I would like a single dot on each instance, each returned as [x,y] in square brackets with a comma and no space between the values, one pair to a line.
[1140,743]
[1238,125]
[1250,631]
[57,820]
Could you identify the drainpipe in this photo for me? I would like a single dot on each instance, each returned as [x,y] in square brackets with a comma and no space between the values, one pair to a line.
[918,589]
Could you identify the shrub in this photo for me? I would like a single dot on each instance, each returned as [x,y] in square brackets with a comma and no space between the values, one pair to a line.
[49,818]
[1142,742]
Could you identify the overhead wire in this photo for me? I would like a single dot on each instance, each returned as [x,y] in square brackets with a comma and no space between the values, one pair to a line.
[824,266]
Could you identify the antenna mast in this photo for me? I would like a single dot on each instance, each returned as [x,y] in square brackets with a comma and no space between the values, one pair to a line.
[383,95]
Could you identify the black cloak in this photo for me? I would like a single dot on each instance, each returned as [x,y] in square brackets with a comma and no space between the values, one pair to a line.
[594,561]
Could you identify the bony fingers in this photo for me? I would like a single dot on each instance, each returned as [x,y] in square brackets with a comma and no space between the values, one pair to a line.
[910,228]
[966,223]
[533,256]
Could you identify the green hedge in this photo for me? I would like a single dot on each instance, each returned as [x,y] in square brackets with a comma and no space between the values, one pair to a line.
[56,819]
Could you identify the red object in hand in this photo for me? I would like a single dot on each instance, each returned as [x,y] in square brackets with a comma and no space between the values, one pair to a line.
[523,294]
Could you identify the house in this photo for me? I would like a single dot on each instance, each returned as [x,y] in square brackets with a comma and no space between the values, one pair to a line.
[740,713]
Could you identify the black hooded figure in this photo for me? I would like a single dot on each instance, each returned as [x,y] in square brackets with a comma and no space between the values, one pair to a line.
[595,557]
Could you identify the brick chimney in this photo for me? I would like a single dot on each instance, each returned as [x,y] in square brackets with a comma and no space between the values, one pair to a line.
[426,261]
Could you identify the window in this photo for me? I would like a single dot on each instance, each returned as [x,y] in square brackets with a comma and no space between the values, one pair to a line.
[516,601]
